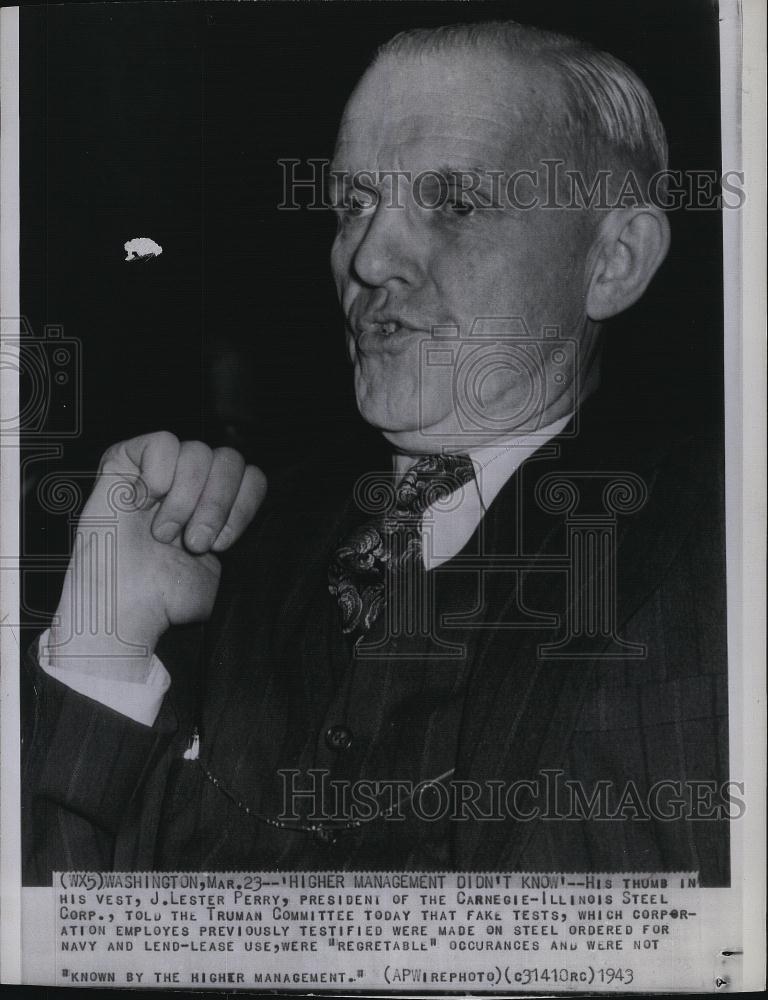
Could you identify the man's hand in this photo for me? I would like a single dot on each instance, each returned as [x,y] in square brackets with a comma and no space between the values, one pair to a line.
[146,550]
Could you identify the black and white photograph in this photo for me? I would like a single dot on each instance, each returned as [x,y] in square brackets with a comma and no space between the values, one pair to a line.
[377,403]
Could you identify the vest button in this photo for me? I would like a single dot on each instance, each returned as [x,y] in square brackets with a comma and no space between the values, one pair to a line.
[338,738]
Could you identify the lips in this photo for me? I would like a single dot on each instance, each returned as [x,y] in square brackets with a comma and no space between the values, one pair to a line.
[381,325]
[383,334]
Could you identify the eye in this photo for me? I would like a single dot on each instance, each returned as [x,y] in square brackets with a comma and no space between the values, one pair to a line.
[354,205]
[461,207]
[459,203]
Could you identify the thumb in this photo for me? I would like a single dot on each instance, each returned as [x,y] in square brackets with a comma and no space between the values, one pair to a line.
[150,458]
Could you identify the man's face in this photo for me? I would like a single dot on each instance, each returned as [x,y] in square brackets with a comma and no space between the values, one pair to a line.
[403,268]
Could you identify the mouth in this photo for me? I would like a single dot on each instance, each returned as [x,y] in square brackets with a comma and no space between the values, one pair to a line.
[382,332]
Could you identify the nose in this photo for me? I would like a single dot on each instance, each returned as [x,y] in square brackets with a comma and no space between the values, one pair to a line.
[386,252]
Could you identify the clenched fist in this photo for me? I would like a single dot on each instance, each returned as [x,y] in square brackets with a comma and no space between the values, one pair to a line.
[146,549]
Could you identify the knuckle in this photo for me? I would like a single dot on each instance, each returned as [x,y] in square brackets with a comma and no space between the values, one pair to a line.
[196,448]
[115,460]
[197,455]
[230,457]
[166,439]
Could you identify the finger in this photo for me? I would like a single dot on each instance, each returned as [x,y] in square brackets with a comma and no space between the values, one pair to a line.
[253,489]
[192,468]
[216,500]
[150,456]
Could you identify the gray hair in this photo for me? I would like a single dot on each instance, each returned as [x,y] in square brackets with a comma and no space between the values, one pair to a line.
[607,108]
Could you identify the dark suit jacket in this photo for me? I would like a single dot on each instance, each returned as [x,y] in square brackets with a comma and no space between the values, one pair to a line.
[591,605]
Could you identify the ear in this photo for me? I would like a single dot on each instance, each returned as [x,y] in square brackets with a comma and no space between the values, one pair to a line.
[629,248]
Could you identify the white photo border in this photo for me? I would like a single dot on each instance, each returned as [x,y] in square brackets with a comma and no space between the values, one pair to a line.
[742,52]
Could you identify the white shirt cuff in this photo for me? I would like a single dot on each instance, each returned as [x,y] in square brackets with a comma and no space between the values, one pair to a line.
[138,700]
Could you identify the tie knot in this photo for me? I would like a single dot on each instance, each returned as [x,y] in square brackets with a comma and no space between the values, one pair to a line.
[432,478]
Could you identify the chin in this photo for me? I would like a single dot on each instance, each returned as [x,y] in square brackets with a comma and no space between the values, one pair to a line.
[384,413]
[384,405]
[400,423]
[394,399]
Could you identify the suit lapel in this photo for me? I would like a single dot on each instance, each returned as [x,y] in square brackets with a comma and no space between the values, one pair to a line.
[522,707]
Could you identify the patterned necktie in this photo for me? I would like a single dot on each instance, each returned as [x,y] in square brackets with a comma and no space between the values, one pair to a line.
[389,544]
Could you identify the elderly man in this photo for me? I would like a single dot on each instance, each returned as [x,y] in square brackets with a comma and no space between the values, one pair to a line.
[507,650]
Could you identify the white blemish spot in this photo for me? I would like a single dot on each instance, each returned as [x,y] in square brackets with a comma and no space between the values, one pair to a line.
[193,749]
[142,248]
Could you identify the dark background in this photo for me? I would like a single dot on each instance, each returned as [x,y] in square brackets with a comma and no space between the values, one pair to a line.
[167,120]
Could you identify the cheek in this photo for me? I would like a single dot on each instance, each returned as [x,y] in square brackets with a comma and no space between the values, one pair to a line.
[477,283]
[530,279]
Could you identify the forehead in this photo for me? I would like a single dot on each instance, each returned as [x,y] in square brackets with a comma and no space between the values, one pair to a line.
[466,109]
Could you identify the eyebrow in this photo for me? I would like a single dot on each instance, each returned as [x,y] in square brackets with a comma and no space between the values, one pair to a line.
[338,175]
[455,168]
[449,169]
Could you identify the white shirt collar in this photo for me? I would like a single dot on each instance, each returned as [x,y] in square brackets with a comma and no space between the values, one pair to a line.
[495,462]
